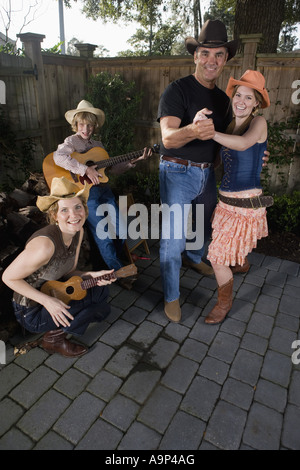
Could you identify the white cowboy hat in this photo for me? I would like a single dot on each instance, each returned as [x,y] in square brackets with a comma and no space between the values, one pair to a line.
[86,107]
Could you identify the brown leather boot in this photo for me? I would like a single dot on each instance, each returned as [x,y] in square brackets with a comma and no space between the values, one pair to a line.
[55,342]
[240,269]
[223,305]
[173,310]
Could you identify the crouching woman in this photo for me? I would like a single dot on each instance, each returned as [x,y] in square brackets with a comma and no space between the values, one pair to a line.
[51,254]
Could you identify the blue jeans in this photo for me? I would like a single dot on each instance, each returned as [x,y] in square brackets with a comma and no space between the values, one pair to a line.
[181,185]
[109,248]
[92,308]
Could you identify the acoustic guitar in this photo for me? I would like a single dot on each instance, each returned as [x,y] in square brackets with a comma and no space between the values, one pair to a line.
[75,288]
[95,156]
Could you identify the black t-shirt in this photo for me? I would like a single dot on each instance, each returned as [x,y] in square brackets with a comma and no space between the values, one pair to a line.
[183,98]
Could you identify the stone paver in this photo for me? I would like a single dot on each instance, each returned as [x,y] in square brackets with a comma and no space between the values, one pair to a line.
[148,384]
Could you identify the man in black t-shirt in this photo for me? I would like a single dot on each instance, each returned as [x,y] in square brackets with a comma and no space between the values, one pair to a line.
[188,153]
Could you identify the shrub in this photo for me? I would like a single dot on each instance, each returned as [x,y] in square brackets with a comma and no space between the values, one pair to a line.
[284,215]
[119,100]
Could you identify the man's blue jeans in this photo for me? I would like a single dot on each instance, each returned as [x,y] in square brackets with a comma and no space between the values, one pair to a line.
[190,185]
[109,247]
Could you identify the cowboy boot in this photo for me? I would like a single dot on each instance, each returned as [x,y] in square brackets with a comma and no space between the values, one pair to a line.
[55,341]
[173,310]
[223,305]
[240,269]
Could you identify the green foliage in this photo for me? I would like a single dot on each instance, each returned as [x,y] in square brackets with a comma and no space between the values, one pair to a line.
[16,160]
[55,49]
[162,42]
[120,101]
[281,146]
[284,215]
[144,187]
[9,48]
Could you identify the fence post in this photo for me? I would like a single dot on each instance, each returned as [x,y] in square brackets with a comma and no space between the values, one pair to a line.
[86,50]
[250,43]
[32,46]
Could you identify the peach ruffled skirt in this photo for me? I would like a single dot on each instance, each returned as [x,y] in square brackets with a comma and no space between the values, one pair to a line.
[235,233]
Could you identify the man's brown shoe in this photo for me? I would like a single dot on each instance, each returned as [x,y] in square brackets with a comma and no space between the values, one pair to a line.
[173,310]
[201,268]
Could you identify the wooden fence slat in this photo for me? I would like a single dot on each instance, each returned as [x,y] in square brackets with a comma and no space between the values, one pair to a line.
[66,81]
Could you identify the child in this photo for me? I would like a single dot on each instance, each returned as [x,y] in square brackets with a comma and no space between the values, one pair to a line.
[85,121]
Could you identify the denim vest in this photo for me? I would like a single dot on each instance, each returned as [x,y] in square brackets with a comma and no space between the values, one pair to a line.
[242,168]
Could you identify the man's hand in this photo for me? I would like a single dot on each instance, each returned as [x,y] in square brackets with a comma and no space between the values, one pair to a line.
[204,129]
[266,158]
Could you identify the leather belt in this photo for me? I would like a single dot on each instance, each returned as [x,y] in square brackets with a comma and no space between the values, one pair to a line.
[255,202]
[180,161]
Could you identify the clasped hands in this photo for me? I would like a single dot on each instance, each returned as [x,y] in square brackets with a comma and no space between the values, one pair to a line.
[206,130]
[203,126]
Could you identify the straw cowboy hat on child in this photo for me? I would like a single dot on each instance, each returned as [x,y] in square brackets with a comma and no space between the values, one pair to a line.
[251,79]
[86,107]
[213,34]
[61,188]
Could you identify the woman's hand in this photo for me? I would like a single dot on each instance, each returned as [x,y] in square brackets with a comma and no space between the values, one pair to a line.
[108,278]
[201,115]
[58,311]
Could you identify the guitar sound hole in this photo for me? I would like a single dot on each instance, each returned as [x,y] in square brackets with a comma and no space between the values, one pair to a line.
[69,290]
[90,163]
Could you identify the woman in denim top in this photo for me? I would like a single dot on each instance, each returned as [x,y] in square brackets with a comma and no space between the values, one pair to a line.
[240,216]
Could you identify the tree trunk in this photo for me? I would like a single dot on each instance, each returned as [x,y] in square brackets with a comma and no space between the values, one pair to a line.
[255,16]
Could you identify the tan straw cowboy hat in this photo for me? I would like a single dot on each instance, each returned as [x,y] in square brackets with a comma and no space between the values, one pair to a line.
[86,107]
[213,34]
[251,79]
[61,188]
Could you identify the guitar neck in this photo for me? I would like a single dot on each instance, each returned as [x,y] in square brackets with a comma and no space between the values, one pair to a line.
[92,281]
[119,159]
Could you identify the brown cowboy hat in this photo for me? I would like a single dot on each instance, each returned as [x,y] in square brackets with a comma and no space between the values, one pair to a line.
[213,34]
[252,79]
[61,188]
[86,107]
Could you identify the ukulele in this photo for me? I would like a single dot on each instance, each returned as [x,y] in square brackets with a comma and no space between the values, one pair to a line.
[75,288]
[95,156]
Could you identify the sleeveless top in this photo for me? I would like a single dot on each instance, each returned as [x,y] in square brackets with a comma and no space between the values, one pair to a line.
[242,168]
[61,263]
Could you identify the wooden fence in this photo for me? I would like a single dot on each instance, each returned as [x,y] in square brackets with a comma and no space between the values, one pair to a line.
[38,89]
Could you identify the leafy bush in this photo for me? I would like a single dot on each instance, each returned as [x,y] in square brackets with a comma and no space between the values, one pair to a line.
[15,159]
[144,187]
[284,215]
[119,100]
